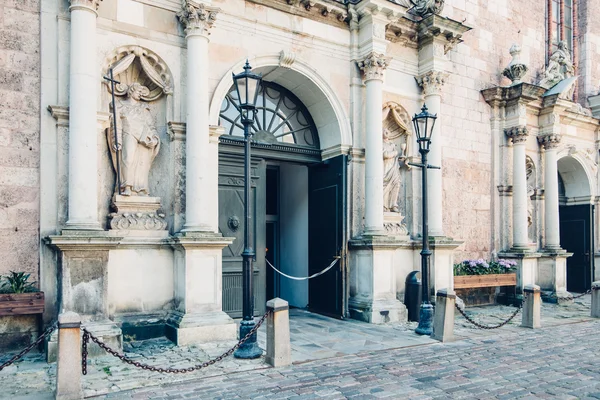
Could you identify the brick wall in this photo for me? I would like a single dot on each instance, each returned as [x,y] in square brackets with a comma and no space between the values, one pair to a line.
[19,135]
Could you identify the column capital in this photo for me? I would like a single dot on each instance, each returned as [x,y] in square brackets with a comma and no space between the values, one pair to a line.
[197,18]
[432,82]
[374,65]
[550,141]
[92,5]
[518,134]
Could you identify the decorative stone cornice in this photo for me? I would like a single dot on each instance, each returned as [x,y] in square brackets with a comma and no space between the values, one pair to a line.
[197,18]
[374,65]
[82,4]
[518,134]
[449,30]
[432,82]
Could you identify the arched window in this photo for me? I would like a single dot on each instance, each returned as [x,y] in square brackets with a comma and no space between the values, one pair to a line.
[560,25]
[280,117]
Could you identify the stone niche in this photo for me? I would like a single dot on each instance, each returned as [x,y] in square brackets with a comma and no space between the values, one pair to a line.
[139,179]
[396,138]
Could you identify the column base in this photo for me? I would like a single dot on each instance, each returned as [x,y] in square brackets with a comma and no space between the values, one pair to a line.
[185,329]
[377,311]
[425,320]
[106,330]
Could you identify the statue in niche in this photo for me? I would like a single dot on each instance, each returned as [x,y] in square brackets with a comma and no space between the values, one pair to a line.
[137,139]
[559,66]
[391,174]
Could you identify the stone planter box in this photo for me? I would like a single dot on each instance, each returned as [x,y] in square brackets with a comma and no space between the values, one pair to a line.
[480,281]
[478,290]
[21,304]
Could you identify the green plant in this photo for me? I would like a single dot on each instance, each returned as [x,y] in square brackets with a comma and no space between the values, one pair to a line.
[17,282]
[482,267]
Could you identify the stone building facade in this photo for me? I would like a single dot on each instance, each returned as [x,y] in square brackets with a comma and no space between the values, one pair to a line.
[138,229]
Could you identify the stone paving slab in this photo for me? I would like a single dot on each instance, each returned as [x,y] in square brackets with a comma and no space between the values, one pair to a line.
[545,363]
[314,337]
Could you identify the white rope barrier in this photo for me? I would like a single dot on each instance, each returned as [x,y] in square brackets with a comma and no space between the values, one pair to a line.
[302,278]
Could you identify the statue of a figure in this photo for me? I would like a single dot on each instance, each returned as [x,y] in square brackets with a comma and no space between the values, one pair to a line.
[391,174]
[138,140]
[424,8]
[559,66]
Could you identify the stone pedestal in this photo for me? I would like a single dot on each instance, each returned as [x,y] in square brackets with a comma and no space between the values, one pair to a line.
[532,305]
[68,378]
[393,224]
[279,349]
[83,280]
[552,277]
[595,312]
[198,315]
[442,263]
[373,280]
[527,267]
[139,213]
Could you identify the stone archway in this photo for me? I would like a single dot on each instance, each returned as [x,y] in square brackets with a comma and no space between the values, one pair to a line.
[327,111]
[576,219]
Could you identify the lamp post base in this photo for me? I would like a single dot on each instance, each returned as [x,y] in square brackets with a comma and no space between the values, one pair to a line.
[250,349]
[425,320]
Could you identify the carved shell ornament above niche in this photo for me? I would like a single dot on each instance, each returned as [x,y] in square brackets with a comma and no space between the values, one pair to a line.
[135,64]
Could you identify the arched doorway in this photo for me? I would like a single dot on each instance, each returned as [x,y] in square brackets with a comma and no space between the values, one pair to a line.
[576,223]
[298,203]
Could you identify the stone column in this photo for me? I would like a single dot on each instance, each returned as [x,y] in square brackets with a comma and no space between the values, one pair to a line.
[200,212]
[519,134]
[83,139]
[551,217]
[432,83]
[373,67]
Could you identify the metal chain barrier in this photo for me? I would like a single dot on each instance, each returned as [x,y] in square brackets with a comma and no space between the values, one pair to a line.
[589,291]
[500,325]
[87,336]
[302,278]
[27,349]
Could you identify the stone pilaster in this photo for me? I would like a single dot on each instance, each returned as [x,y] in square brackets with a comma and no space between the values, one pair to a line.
[518,135]
[432,84]
[373,67]
[201,213]
[83,85]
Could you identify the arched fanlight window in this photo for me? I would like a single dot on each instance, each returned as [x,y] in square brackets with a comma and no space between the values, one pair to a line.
[280,117]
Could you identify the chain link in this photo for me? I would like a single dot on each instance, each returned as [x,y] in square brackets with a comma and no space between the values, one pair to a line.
[87,335]
[500,325]
[27,349]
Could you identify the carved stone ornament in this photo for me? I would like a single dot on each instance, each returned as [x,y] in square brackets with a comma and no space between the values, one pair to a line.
[516,70]
[531,189]
[197,18]
[424,8]
[396,123]
[432,82]
[550,141]
[92,4]
[233,223]
[136,64]
[395,228]
[518,134]
[374,65]
[137,213]
[559,67]
[286,59]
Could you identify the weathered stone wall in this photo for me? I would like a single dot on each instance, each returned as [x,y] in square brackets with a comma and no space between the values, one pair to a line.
[19,135]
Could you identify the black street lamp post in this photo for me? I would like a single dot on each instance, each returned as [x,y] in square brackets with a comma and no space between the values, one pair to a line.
[246,84]
[423,123]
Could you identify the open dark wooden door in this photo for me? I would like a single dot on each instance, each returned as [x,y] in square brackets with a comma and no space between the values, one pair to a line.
[576,237]
[326,230]
[231,224]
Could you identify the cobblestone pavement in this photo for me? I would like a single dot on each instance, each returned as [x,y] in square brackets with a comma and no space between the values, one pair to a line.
[553,362]
[313,337]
